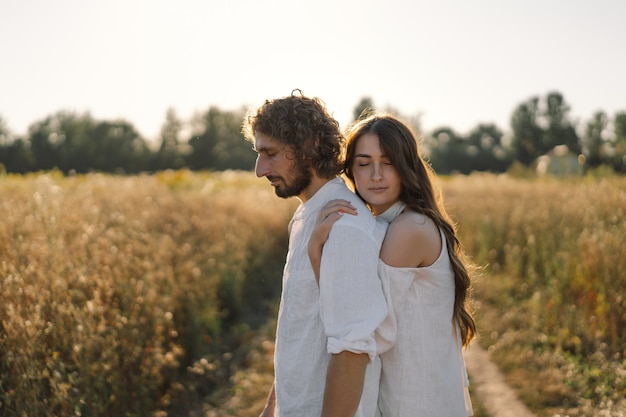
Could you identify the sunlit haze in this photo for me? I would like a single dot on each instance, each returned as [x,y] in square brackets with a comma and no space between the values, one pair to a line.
[457,63]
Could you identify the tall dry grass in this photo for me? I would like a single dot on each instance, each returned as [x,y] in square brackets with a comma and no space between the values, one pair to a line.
[156,295]
[552,298]
[131,296]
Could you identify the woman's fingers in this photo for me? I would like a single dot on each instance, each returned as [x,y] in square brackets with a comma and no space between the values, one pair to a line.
[333,216]
[327,216]
[335,207]
[340,206]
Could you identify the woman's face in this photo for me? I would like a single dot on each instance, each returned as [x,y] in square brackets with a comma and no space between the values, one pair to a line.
[375,178]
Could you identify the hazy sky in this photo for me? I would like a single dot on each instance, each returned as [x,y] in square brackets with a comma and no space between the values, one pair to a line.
[457,62]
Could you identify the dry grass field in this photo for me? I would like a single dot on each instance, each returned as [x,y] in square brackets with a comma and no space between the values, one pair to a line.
[156,295]
[131,296]
[551,296]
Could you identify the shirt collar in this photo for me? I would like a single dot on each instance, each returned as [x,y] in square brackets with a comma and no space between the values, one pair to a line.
[321,197]
[392,212]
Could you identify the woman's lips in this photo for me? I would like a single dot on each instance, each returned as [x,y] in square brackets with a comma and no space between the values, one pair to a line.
[377,189]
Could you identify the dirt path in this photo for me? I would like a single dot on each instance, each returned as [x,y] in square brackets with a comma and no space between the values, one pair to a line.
[489,386]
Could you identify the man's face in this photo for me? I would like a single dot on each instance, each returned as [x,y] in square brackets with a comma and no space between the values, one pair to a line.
[277,162]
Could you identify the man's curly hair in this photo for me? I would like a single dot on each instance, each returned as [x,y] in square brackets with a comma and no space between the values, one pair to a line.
[303,124]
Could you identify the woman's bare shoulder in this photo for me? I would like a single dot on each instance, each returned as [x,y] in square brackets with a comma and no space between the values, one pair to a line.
[412,240]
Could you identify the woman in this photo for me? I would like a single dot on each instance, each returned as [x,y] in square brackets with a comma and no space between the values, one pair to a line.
[421,267]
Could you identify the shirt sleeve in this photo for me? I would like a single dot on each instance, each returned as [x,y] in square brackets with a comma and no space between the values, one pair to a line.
[352,304]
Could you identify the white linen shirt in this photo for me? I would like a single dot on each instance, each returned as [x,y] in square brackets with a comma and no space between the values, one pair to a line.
[341,314]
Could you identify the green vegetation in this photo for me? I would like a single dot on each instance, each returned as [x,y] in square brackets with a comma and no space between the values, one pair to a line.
[540,128]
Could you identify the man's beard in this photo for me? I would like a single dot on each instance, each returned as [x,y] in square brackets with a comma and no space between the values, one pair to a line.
[301,177]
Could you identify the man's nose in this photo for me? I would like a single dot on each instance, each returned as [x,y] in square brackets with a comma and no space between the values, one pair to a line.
[260,167]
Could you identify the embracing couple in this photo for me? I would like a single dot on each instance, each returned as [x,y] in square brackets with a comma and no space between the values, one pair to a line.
[373,313]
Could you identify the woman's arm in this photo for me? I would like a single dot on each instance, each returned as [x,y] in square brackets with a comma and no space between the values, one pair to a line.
[328,215]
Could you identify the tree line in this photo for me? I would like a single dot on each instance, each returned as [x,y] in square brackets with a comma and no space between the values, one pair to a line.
[212,140]
[538,126]
[78,143]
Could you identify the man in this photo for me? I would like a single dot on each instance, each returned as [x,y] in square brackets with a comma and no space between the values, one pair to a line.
[325,337]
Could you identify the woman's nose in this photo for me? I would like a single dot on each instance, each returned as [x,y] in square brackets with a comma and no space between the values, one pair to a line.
[376,172]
